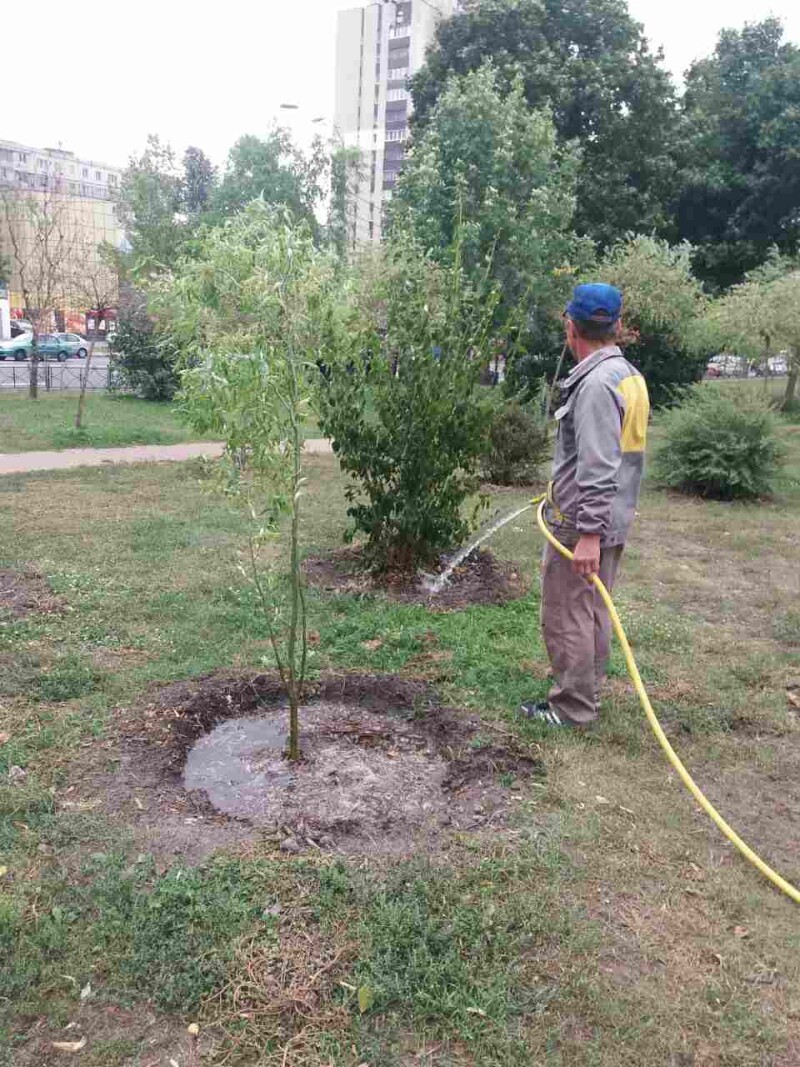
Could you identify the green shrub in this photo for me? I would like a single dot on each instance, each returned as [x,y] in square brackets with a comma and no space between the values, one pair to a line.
[517,445]
[143,362]
[405,412]
[719,444]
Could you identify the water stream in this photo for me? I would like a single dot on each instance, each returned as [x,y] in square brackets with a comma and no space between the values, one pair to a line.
[434,584]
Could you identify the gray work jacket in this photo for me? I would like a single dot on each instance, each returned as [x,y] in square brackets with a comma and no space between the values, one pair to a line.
[599,460]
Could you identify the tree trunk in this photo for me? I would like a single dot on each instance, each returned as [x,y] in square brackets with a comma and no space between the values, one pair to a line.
[84,383]
[789,396]
[296,671]
[33,389]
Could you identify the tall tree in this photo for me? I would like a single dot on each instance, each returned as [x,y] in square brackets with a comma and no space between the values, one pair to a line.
[589,61]
[272,169]
[741,186]
[487,168]
[345,168]
[151,208]
[199,180]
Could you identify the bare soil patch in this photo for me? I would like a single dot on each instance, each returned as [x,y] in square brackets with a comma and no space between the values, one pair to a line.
[387,769]
[481,579]
[159,1040]
[26,593]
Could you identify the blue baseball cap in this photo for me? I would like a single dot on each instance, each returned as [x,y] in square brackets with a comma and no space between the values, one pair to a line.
[595,302]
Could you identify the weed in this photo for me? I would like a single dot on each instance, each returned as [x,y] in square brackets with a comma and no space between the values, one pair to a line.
[69,677]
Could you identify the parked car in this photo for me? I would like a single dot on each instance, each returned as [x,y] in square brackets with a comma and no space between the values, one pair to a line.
[727,366]
[19,346]
[51,346]
[74,345]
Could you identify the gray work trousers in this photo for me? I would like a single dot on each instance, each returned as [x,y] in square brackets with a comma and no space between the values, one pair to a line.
[577,632]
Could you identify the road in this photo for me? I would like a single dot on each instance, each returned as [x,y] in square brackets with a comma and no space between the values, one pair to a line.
[54,375]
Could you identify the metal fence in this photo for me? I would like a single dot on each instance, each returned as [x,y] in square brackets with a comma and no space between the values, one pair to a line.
[54,377]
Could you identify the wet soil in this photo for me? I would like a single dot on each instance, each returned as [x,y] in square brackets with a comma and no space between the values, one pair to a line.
[481,579]
[26,593]
[198,766]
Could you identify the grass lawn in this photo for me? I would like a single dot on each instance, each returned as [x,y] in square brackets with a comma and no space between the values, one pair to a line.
[110,421]
[609,926]
[49,422]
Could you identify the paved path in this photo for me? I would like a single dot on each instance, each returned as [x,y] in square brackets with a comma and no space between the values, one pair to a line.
[24,462]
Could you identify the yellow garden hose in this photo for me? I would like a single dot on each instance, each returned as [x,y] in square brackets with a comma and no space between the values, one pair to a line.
[671,755]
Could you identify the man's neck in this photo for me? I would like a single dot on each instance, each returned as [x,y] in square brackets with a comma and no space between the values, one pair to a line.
[585,351]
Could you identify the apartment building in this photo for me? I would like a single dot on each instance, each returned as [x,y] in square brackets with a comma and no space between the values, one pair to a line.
[79,195]
[378,48]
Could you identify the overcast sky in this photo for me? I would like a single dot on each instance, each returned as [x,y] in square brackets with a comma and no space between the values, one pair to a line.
[115,74]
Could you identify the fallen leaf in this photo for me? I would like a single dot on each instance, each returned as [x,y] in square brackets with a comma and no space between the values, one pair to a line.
[477,1011]
[3,872]
[70,1046]
[193,1029]
[138,803]
[86,992]
[602,800]
[373,645]
[366,998]
[4,737]
[740,931]
[794,699]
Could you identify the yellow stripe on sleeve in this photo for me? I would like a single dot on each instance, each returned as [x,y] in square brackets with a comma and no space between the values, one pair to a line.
[633,391]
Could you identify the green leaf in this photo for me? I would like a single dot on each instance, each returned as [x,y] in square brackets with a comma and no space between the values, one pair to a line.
[366,998]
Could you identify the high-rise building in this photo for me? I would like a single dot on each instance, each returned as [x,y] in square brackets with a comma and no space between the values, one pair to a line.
[77,197]
[378,48]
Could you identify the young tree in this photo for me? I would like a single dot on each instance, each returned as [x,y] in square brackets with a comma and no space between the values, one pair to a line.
[740,184]
[253,311]
[761,317]
[488,167]
[41,238]
[589,61]
[663,305]
[95,286]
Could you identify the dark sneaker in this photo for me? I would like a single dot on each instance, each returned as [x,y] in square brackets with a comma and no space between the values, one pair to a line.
[543,712]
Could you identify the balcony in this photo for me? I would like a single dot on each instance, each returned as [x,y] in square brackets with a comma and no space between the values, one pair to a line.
[396,135]
[397,32]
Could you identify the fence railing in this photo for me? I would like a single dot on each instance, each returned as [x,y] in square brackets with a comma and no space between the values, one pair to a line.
[53,377]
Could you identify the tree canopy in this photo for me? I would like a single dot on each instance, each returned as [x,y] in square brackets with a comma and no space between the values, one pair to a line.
[487,168]
[275,170]
[589,61]
[663,304]
[741,175]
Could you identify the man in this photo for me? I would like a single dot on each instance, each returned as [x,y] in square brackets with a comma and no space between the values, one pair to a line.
[597,474]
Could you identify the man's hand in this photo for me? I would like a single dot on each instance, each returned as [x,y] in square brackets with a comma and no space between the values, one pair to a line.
[587,555]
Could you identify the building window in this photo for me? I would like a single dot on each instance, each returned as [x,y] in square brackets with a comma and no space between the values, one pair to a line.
[22,157]
[85,172]
[98,177]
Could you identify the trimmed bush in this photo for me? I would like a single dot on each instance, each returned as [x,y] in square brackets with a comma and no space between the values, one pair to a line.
[143,362]
[518,445]
[719,444]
